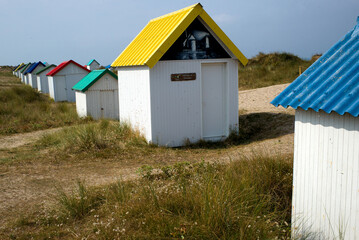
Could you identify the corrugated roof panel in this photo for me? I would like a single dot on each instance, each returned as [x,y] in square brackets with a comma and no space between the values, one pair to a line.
[160,33]
[91,78]
[331,83]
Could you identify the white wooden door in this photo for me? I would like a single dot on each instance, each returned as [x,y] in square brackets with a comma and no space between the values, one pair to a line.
[107,104]
[213,100]
[60,88]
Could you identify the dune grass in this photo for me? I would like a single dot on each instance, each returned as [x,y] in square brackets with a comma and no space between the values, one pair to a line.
[270,69]
[247,199]
[105,135]
[23,109]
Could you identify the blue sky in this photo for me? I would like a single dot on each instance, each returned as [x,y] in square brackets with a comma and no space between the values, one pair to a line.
[55,31]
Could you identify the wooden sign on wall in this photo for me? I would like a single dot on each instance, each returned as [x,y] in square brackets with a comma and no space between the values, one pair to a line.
[183,76]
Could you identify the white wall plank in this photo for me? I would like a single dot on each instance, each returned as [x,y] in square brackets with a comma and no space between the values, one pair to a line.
[325,182]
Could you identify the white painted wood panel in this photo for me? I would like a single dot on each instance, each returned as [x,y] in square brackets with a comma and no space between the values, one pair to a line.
[81,105]
[177,106]
[326,169]
[71,80]
[134,98]
[42,81]
[51,84]
[214,104]
[32,76]
[93,66]
[101,99]
[64,80]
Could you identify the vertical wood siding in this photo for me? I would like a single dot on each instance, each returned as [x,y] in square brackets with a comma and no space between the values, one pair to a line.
[177,106]
[81,106]
[101,99]
[326,175]
[63,82]
[134,98]
[32,76]
[50,81]
[42,81]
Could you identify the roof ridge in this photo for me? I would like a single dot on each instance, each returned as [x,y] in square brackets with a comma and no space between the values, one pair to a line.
[176,12]
[45,68]
[64,64]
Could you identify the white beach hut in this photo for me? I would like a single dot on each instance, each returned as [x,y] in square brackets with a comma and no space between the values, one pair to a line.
[63,78]
[31,73]
[42,81]
[97,95]
[326,154]
[17,70]
[180,85]
[92,65]
[22,73]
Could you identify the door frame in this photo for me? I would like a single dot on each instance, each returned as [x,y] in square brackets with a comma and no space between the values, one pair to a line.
[225,98]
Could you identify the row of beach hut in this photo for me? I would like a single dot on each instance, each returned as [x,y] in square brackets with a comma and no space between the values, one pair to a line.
[95,92]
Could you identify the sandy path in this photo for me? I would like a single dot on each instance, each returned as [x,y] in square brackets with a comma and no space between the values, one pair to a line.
[258,100]
[26,186]
[17,140]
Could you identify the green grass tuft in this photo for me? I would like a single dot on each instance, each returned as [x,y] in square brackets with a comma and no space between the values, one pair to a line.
[92,137]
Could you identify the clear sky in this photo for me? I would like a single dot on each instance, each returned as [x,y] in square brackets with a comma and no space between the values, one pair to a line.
[56,31]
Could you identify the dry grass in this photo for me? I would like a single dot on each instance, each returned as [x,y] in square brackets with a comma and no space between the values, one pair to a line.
[23,109]
[248,199]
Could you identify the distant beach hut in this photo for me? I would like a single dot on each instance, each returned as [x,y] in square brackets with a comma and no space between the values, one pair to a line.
[326,144]
[17,70]
[93,65]
[31,73]
[178,79]
[63,78]
[42,80]
[22,75]
[97,95]
[14,68]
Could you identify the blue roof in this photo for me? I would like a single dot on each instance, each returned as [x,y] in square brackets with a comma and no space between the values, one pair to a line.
[108,66]
[33,66]
[93,60]
[331,83]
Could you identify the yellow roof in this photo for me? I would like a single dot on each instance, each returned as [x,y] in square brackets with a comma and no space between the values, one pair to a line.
[18,67]
[160,33]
